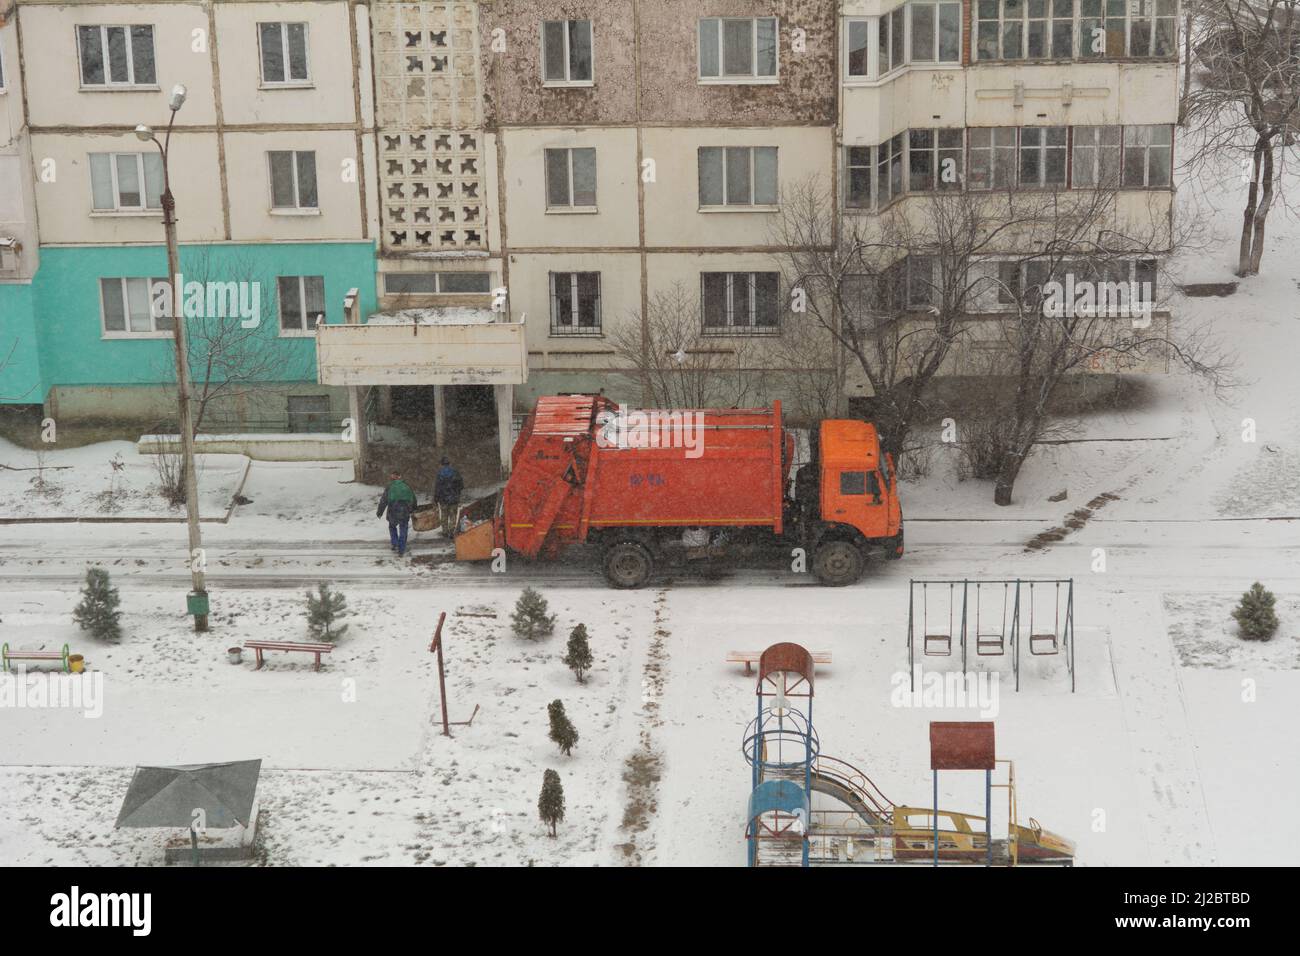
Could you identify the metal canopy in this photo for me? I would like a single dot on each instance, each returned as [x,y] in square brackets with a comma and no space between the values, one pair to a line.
[168,796]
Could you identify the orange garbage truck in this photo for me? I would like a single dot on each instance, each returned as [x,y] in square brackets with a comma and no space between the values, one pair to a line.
[652,486]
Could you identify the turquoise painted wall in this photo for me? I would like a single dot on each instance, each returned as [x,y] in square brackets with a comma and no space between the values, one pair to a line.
[20,363]
[66,302]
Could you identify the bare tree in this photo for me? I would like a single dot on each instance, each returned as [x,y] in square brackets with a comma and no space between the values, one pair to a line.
[234,355]
[681,364]
[1246,103]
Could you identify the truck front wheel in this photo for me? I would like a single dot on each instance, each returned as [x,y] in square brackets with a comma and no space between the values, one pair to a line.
[628,564]
[837,563]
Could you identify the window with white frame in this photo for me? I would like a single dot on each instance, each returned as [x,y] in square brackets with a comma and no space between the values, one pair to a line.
[857,38]
[738,176]
[889,170]
[738,48]
[1148,154]
[116,55]
[437,283]
[135,306]
[922,287]
[2,69]
[740,301]
[566,52]
[1042,156]
[293,179]
[575,303]
[892,28]
[126,182]
[1062,22]
[858,170]
[1153,28]
[936,32]
[992,157]
[934,159]
[571,178]
[283,48]
[302,303]
[1096,157]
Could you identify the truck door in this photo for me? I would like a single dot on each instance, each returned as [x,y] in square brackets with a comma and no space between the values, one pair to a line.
[855,498]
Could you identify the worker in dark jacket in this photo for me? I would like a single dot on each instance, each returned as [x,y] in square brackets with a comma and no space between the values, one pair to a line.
[446,492]
[399,501]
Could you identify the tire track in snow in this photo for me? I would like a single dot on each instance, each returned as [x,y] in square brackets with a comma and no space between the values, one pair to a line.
[643,768]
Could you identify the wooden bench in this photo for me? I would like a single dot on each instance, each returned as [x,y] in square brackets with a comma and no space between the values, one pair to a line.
[750,658]
[6,655]
[260,646]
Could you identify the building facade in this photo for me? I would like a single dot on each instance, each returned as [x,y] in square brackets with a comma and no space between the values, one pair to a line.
[582,167]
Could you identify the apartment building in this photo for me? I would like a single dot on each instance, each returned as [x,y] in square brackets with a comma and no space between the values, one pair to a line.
[19,249]
[272,169]
[560,169]
[643,149]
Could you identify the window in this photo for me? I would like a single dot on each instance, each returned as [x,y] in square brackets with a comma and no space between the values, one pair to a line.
[934,159]
[740,300]
[992,157]
[1144,274]
[566,52]
[921,287]
[889,171]
[2,69]
[1096,156]
[575,303]
[293,179]
[308,413]
[858,164]
[895,23]
[738,176]
[738,48]
[936,32]
[437,283]
[1116,26]
[857,35]
[302,303]
[1092,29]
[1036,29]
[1148,152]
[122,182]
[135,306]
[284,53]
[1062,29]
[1042,156]
[853,482]
[570,179]
[1154,28]
[116,56]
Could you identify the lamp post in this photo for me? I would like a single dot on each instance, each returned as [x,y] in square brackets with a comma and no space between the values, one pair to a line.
[198,599]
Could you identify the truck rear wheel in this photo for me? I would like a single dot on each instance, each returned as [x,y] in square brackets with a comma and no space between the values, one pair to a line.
[628,564]
[837,563]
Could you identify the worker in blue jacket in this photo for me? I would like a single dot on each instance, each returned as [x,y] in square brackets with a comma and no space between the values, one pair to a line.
[446,493]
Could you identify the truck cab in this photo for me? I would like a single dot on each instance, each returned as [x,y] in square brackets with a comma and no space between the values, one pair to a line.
[848,501]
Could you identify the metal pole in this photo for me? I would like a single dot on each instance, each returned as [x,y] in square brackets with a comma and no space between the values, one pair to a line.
[442,680]
[935,818]
[911,670]
[988,815]
[196,558]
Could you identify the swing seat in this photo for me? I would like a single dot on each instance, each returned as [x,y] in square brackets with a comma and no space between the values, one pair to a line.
[938,645]
[990,645]
[1047,642]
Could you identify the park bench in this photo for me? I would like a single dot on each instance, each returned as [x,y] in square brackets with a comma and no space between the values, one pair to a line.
[7,655]
[750,658]
[260,646]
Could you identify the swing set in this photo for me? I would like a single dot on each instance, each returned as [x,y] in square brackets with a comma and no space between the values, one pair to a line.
[1042,609]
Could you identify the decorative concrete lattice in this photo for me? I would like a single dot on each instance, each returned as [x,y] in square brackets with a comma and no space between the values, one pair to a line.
[430,136]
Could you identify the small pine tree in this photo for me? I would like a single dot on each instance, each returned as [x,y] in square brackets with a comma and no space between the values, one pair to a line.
[324,609]
[529,618]
[562,730]
[578,654]
[97,612]
[550,805]
[1255,615]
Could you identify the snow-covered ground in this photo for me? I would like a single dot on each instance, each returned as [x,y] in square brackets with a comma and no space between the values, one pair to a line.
[1177,747]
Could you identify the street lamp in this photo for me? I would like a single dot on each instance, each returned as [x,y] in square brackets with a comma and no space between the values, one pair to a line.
[198,599]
